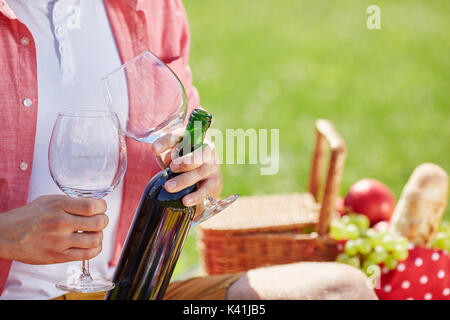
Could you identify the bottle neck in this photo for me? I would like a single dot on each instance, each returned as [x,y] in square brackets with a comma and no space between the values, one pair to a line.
[194,135]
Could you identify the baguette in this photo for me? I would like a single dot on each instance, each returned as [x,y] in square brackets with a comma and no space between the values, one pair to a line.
[421,204]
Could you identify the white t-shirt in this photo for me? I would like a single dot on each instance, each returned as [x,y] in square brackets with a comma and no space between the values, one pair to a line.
[75,49]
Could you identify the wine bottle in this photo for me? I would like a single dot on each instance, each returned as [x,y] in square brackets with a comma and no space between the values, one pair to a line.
[159,228]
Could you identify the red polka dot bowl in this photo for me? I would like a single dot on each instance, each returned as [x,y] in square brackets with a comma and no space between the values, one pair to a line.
[424,275]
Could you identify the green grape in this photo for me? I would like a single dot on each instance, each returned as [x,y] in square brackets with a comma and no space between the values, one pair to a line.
[363,245]
[351,232]
[342,257]
[441,241]
[354,262]
[370,233]
[346,220]
[375,239]
[336,223]
[361,221]
[351,248]
[400,252]
[388,242]
[378,255]
[390,262]
[337,231]
[402,241]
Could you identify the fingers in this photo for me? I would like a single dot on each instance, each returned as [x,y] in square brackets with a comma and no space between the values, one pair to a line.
[190,178]
[83,206]
[91,224]
[198,167]
[167,142]
[83,246]
[195,159]
[77,254]
[207,187]
[85,240]
[164,159]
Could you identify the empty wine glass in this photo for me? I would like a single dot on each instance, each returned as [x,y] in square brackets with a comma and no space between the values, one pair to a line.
[87,158]
[151,101]
[147,96]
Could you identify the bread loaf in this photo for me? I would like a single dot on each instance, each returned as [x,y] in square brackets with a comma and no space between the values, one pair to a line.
[421,204]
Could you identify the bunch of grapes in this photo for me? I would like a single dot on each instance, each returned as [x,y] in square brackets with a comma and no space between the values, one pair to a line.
[364,247]
[442,238]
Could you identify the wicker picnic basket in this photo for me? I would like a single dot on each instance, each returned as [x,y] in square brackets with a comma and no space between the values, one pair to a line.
[265,230]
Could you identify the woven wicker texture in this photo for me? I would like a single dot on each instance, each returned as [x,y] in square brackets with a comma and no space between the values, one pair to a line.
[262,231]
[265,230]
[277,212]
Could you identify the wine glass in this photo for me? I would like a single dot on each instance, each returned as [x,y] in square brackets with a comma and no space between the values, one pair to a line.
[87,158]
[213,207]
[151,101]
[147,96]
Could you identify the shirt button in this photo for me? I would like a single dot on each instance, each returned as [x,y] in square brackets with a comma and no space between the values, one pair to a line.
[59,31]
[25,41]
[23,166]
[27,102]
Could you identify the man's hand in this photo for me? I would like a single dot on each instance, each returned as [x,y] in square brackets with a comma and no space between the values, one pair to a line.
[200,167]
[45,231]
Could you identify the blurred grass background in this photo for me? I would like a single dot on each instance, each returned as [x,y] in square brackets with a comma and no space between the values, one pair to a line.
[283,64]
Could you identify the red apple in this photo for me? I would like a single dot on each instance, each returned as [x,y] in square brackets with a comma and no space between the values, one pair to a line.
[371,198]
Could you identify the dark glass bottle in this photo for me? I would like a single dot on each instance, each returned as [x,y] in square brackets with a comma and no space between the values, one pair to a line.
[158,230]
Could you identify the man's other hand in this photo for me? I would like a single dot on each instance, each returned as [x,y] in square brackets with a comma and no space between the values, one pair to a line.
[46,230]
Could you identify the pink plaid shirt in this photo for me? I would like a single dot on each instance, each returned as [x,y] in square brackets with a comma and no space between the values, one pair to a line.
[138,25]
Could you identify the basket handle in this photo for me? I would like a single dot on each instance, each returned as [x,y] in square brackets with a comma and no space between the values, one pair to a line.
[326,135]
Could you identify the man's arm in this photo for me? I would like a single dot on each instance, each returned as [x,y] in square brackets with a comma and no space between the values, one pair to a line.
[45,231]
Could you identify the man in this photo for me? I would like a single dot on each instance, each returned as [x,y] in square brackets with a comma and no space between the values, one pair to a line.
[52,57]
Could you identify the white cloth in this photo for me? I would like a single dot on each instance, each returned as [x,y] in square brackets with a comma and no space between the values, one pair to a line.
[75,49]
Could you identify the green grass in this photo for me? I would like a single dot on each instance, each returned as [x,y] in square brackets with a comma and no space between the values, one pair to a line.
[283,64]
